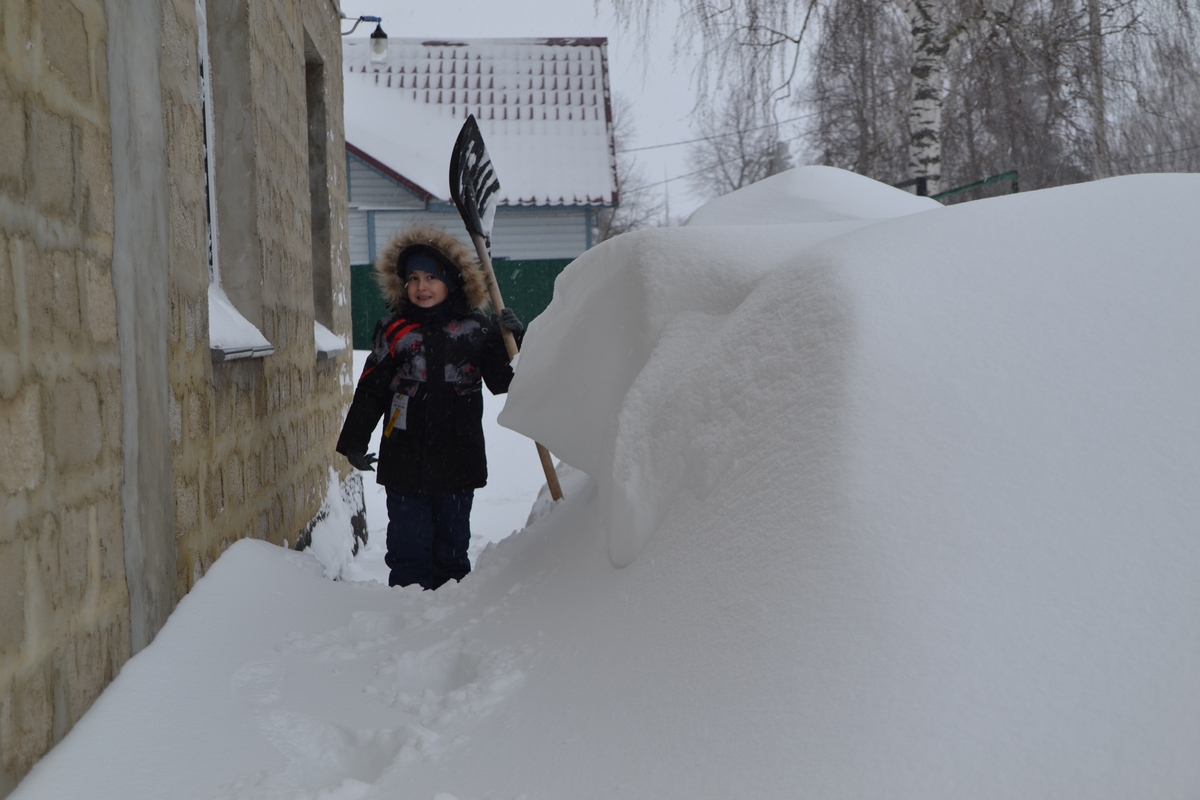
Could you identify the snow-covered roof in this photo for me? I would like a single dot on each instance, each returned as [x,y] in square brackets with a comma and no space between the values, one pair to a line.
[542,106]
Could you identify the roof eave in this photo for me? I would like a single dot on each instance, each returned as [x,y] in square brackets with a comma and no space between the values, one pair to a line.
[375,163]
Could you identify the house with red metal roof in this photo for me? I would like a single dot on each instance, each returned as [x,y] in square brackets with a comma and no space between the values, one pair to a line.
[544,109]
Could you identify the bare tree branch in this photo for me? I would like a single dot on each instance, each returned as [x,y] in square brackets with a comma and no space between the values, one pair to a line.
[639,207]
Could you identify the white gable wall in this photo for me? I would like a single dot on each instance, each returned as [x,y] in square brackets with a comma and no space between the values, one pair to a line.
[525,233]
[519,233]
[369,188]
[360,252]
[379,206]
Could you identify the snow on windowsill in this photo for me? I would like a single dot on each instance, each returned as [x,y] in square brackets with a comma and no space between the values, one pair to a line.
[230,335]
[329,344]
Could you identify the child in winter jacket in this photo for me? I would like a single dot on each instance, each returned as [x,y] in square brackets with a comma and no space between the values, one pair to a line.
[423,378]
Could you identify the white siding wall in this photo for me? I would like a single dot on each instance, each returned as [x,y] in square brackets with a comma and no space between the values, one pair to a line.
[518,233]
[388,222]
[359,251]
[522,233]
[370,189]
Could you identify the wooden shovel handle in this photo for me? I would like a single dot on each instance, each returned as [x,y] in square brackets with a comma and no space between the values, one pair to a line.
[510,343]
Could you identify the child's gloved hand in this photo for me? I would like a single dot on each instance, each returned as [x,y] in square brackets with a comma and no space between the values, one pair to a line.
[509,321]
[361,461]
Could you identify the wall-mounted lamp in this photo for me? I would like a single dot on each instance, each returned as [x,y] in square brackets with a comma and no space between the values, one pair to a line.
[379,46]
[379,39]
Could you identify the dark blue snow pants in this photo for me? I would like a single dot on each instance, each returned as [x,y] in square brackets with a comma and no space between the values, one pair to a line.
[427,538]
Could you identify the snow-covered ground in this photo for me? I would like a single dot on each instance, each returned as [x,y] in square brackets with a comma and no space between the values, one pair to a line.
[869,498]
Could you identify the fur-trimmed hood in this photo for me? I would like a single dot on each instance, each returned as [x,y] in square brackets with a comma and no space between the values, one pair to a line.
[391,282]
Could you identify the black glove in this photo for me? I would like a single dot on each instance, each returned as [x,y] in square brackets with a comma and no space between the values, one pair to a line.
[361,461]
[509,321]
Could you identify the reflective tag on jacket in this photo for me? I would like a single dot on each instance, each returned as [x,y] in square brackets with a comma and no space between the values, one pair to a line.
[398,416]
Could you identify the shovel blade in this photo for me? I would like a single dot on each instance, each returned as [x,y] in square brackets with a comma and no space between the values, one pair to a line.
[473,182]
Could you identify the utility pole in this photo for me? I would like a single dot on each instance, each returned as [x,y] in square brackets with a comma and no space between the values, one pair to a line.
[666,200]
[1099,122]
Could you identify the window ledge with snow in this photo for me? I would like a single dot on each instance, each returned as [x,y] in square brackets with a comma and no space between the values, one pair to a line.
[230,335]
[329,344]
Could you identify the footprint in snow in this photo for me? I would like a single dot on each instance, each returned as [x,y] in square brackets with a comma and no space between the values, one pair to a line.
[258,684]
[446,682]
[325,760]
[321,754]
[365,633]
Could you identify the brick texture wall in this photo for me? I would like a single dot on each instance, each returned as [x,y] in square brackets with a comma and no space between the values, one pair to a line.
[63,599]
[251,440]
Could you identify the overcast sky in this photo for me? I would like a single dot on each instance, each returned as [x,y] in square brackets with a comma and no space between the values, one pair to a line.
[658,85]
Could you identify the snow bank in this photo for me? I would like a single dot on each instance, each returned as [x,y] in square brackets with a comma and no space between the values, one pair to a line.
[899,508]
[810,194]
[927,489]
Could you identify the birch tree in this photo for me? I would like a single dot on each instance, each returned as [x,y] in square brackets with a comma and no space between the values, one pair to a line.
[757,45]
[930,46]
[957,90]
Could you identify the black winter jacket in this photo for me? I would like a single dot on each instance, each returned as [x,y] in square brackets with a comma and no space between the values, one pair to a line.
[424,379]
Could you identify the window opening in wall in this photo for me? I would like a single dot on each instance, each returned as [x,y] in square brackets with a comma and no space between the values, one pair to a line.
[206,121]
[231,335]
[328,344]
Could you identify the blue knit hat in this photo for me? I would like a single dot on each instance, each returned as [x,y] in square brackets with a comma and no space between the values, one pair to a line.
[426,259]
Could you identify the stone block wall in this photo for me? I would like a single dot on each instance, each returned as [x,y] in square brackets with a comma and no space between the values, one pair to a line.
[252,439]
[189,365]
[63,599]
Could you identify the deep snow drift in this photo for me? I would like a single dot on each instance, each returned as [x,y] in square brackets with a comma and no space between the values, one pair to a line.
[886,501]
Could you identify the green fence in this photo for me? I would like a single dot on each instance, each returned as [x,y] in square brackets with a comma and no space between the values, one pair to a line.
[527,287]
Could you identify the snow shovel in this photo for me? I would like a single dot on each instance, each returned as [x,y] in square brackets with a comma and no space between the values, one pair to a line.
[474,187]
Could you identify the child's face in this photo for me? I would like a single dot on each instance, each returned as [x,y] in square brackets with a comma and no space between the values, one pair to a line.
[425,290]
